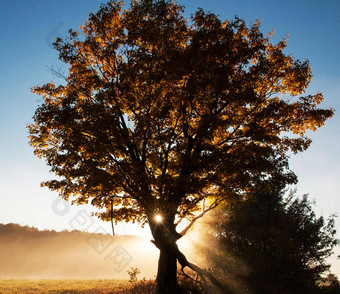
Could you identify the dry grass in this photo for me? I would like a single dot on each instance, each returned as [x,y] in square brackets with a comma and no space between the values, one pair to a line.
[87,286]
[61,286]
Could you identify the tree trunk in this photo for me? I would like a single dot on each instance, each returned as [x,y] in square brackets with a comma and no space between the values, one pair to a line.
[167,273]
[165,237]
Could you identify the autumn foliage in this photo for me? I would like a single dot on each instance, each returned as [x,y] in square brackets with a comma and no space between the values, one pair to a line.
[158,113]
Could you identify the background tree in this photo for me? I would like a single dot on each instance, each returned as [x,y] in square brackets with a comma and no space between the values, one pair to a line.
[329,285]
[271,244]
[162,113]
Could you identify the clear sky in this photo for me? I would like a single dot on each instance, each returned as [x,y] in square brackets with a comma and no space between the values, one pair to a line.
[27,30]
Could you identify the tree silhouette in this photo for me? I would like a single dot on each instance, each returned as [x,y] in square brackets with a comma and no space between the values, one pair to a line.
[163,112]
[279,240]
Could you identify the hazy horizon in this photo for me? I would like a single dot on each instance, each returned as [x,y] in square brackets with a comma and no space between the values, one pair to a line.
[28,253]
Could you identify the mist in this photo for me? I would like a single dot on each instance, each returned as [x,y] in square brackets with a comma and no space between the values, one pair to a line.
[200,246]
[27,253]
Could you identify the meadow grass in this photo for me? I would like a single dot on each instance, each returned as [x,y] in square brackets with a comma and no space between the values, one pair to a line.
[143,286]
[61,286]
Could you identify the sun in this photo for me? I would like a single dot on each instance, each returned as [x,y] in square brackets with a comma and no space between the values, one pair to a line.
[158,218]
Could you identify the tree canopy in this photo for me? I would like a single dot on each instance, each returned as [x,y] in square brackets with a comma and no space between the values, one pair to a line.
[159,112]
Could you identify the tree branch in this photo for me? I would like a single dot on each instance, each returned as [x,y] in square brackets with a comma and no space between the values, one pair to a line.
[179,220]
[218,288]
[212,206]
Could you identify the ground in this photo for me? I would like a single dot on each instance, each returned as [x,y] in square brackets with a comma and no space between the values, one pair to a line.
[61,286]
[21,286]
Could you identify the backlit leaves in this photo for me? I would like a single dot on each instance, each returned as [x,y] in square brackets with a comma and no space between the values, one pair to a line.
[168,111]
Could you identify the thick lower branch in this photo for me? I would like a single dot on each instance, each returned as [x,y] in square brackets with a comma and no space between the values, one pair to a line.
[204,274]
[201,272]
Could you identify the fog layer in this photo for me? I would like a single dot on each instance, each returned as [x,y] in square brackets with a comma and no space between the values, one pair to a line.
[29,253]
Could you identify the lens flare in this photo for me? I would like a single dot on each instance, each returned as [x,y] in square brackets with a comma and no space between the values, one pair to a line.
[158,218]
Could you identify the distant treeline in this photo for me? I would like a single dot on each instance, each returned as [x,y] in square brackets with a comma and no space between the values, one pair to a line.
[26,252]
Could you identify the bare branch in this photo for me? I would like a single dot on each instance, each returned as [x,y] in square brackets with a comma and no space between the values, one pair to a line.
[192,205]
[212,206]
[183,232]
[179,220]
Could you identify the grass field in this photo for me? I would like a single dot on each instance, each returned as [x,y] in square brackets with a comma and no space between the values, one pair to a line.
[61,286]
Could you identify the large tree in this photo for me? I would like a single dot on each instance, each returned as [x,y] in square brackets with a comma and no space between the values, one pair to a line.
[158,113]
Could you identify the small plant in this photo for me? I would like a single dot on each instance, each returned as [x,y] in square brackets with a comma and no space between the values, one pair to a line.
[133,273]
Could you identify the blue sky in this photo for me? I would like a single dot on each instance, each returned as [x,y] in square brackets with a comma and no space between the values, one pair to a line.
[27,29]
